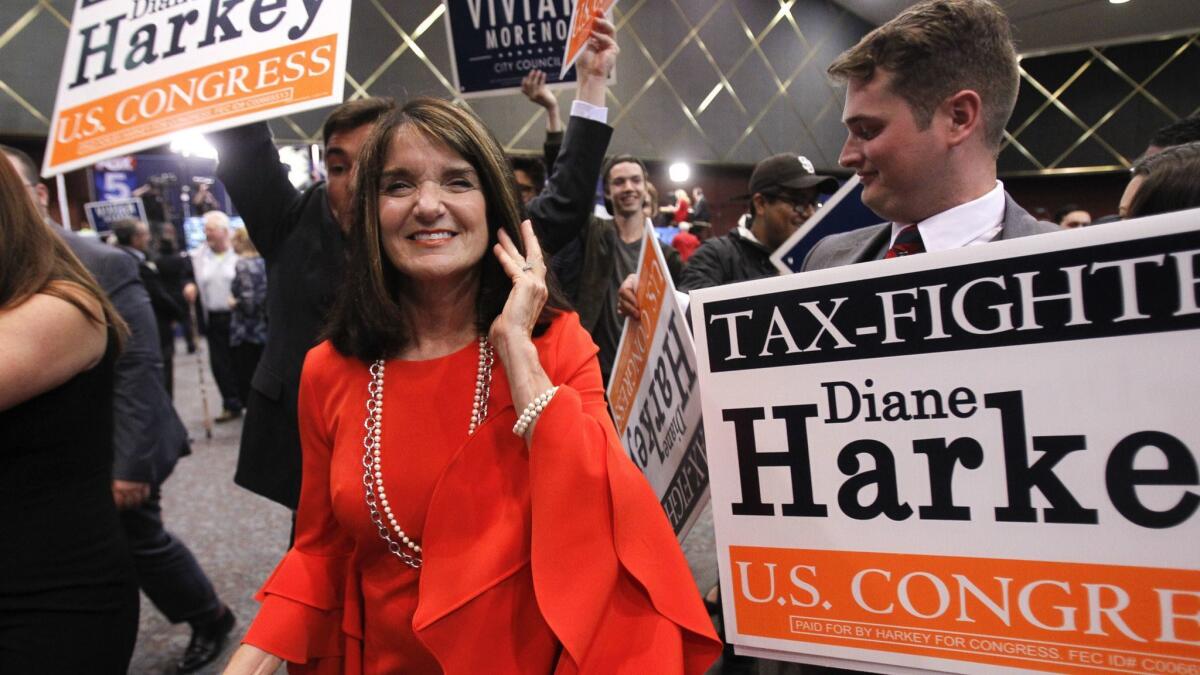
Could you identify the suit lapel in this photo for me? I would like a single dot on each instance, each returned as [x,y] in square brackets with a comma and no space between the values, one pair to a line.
[874,246]
[1019,223]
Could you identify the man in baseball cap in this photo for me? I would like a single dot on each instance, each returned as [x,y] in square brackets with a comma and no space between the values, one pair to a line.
[784,190]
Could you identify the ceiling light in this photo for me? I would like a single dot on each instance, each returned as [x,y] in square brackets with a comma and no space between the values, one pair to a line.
[1118,2]
[192,144]
[679,172]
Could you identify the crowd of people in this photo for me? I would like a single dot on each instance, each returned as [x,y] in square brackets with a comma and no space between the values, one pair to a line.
[495,295]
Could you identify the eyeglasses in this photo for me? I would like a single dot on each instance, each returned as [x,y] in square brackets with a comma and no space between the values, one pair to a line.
[797,202]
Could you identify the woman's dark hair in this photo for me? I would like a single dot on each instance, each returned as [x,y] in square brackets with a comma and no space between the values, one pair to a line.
[34,260]
[1172,181]
[366,320]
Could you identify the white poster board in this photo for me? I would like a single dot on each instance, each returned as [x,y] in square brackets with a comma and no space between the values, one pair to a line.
[136,72]
[654,394]
[976,461]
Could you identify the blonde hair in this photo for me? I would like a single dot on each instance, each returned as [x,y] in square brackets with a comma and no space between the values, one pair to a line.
[243,244]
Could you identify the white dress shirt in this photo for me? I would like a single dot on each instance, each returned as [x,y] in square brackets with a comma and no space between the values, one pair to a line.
[976,222]
[214,277]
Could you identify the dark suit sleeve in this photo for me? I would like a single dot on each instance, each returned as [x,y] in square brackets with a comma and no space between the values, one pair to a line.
[674,264]
[550,150]
[160,300]
[258,184]
[562,210]
[138,374]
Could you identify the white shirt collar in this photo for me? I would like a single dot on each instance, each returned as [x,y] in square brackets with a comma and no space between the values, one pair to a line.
[747,234]
[976,222]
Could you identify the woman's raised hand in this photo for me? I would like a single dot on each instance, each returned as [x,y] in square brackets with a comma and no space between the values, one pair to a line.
[528,295]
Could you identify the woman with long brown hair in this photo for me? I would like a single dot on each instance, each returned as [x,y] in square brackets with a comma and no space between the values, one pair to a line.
[64,567]
[473,511]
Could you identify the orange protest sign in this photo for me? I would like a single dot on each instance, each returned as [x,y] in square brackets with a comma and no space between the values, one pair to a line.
[581,27]
[631,360]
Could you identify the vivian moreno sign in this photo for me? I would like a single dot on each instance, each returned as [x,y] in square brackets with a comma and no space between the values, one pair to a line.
[137,71]
[495,43]
[973,461]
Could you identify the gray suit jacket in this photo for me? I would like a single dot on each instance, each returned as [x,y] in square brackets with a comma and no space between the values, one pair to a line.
[148,436]
[871,243]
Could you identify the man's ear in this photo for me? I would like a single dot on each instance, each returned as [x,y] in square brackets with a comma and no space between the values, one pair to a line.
[963,115]
[759,202]
[43,195]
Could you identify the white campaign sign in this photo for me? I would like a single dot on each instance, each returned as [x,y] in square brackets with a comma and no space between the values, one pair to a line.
[138,71]
[976,461]
[654,394]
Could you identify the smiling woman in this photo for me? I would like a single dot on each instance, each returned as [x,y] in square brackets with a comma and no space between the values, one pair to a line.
[477,513]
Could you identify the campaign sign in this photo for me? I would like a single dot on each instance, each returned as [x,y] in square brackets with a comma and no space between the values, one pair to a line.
[138,71]
[495,43]
[101,215]
[976,461]
[654,396]
[581,27]
[842,212]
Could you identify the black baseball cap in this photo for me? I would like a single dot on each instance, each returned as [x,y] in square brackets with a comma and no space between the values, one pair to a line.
[779,173]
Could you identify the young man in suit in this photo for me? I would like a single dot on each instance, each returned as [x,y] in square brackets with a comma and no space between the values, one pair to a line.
[928,96]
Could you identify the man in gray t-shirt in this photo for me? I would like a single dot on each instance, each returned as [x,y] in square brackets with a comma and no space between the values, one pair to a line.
[606,252]
[607,332]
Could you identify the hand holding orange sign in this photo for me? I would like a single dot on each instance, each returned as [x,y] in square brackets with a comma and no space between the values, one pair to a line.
[582,21]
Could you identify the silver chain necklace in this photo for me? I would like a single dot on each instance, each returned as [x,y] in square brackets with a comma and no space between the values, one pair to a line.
[403,546]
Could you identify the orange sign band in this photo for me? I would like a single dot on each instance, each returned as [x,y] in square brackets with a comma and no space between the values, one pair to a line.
[262,81]
[1036,615]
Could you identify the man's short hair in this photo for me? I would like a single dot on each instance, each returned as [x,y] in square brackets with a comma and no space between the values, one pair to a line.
[25,164]
[937,48]
[354,114]
[218,218]
[1064,211]
[1177,133]
[1172,181]
[125,230]
[533,167]
[622,159]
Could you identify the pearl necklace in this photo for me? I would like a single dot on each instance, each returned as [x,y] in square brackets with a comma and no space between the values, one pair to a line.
[403,546]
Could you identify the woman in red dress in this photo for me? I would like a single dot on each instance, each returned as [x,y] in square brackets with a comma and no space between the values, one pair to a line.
[466,505]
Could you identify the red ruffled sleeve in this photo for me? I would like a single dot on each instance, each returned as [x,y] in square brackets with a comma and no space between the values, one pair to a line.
[608,573]
[301,617]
